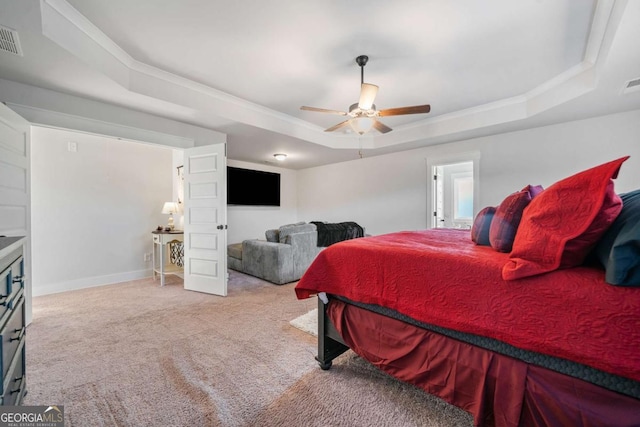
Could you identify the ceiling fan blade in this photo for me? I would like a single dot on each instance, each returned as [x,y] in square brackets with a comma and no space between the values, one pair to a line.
[338,126]
[381,127]
[367,96]
[416,109]
[323,110]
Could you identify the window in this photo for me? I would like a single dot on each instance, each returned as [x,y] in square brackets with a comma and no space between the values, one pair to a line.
[462,198]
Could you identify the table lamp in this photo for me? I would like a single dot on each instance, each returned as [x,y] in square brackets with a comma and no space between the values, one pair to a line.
[170,208]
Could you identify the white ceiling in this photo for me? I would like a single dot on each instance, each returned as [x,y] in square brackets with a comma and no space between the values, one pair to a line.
[245,67]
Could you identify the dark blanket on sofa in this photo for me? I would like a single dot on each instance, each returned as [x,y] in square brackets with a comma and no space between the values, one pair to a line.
[330,233]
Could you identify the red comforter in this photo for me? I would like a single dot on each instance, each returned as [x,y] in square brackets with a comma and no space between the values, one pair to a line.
[442,278]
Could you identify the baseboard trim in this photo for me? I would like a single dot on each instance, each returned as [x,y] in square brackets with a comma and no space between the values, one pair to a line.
[89,282]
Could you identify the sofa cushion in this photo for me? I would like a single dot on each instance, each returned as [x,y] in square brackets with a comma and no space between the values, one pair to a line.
[235,250]
[272,235]
[286,230]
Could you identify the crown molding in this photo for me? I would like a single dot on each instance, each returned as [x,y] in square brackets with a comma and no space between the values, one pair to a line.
[80,22]
[54,119]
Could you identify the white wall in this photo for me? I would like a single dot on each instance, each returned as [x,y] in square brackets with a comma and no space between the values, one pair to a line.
[250,222]
[93,210]
[389,193]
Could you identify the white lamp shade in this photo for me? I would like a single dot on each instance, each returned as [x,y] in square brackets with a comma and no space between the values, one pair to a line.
[367,96]
[170,208]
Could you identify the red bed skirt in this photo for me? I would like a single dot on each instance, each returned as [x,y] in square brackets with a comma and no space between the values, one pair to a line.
[497,390]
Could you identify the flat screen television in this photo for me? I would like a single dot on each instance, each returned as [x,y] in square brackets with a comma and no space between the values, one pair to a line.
[252,187]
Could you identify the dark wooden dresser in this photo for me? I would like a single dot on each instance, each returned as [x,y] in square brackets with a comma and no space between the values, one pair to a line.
[12,321]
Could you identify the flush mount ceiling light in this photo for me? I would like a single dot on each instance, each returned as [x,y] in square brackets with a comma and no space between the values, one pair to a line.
[280,157]
[363,115]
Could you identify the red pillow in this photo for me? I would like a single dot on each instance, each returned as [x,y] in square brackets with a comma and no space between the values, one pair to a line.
[576,250]
[481,225]
[507,218]
[560,225]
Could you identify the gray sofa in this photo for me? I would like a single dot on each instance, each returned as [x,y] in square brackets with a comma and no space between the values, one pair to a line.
[282,258]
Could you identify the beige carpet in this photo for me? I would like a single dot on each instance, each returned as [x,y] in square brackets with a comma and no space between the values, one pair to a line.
[135,354]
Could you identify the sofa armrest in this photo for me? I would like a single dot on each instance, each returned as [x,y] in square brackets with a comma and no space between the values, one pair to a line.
[268,260]
[305,249]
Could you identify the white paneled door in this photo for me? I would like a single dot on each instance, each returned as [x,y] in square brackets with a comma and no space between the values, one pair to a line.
[205,216]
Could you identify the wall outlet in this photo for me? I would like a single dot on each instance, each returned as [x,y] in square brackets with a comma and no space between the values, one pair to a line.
[147,257]
[72,146]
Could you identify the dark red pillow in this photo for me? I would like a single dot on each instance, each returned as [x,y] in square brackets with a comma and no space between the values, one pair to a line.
[507,218]
[570,216]
[481,225]
[576,250]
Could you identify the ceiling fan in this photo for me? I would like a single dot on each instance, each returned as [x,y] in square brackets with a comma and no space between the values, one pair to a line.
[363,115]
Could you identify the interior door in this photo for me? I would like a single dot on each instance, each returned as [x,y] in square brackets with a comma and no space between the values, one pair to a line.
[15,187]
[438,192]
[205,216]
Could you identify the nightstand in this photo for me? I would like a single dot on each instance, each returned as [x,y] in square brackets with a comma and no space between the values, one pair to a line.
[161,241]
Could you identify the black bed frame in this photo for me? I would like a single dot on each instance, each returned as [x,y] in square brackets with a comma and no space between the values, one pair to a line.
[330,343]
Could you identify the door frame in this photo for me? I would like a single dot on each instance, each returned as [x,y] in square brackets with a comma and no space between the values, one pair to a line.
[448,159]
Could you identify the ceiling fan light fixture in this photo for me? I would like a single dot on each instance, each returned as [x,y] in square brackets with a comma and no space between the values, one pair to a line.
[361,125]
[363,115]
[280,157]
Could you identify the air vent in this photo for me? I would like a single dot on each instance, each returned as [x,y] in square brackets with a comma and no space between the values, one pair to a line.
[632,85]
[9,41]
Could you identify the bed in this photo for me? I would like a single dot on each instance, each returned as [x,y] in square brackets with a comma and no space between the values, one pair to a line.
[433,308]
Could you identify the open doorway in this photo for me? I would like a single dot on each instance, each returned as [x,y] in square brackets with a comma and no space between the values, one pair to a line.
[96,201]
[453,195]
[453,191]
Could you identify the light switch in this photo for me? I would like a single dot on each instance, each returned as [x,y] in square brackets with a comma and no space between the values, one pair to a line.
[72,146]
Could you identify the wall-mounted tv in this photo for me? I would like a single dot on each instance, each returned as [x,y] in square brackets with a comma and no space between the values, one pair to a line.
[252,188]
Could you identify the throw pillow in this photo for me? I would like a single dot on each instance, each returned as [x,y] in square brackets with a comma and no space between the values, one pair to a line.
[576,250]
[534,190]
[507,218]
[568,211]
[481,226]
[619,248]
